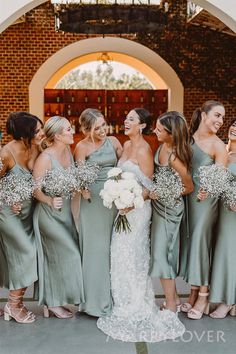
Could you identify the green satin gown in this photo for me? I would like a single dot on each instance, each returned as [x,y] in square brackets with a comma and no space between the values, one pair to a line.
[18,261]
[165,235]
[95,229]
[59,261]
[202,217]
[223,278]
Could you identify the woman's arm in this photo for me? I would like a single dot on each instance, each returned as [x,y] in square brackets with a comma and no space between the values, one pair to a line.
[80,154]
[7,162]
[117,146]
[146,165]
[220,153]
[181,169]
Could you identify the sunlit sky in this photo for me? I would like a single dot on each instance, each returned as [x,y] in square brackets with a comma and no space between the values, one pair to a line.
[118,68]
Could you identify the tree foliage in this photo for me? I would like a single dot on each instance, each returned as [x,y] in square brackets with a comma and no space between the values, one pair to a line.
[103,78]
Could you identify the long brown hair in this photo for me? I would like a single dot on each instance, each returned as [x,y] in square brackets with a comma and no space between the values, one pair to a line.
[197,114]
[176,125]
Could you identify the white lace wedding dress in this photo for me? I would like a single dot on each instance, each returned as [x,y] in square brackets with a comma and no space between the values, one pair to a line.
[135,317]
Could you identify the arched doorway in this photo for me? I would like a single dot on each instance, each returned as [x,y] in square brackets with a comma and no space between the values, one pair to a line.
[152,65]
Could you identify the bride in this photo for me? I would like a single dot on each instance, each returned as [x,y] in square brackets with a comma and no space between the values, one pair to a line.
[135,317]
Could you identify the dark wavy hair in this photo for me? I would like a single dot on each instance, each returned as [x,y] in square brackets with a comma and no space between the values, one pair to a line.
[175,124]
[22,125]
[233,120]
[197,114]
[144,117]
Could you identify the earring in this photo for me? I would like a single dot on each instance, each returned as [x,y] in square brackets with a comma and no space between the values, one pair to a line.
[140,130]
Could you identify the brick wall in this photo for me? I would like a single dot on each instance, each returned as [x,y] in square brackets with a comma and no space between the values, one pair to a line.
[203,59]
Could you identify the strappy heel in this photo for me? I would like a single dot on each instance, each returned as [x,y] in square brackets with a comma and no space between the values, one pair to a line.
[186,306]
[195,314]
[233,311]
[14,309]
[1,312]
[219,314]
[58,311]
[178,306]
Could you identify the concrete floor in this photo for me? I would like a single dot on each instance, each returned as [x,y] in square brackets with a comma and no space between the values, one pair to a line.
[80,335]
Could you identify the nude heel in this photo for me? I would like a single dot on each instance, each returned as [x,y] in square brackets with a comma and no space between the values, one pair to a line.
[233,311]
[195,314]
[7,317]
[207,309]
[46,313]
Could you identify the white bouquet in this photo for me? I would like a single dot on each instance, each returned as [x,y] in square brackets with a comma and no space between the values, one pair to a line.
[229,195]
[123,190]
[214,179]
[15,189]
[168,187]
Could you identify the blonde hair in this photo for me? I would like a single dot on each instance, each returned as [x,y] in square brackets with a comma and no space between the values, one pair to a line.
[88,120]
[53,126]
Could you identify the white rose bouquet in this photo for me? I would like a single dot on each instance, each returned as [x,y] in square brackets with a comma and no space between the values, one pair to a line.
[123,190]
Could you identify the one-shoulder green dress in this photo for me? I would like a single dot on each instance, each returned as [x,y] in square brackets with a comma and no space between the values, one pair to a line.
[18,261]
[59,261]
[95,229]
[223,278]
[165,234]
[202,217]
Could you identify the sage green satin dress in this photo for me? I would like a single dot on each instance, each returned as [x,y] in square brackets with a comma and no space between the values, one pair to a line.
[59,261]
[202,217]
[223,277]
[95,229]
[18,261]
[165,234]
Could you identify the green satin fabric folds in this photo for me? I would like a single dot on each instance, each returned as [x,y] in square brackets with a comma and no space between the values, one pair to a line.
[223,279]
[95,229]
[18,265]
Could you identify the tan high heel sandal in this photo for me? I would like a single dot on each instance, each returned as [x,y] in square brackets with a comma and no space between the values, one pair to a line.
[196,314]
[218,314]
[186,306]
[16,312]
[58,311]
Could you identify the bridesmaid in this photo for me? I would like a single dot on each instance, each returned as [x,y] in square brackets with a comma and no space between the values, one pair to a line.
[223,278]
[17,249]
[96,221]
[174,155]
[207,149]
[59,261]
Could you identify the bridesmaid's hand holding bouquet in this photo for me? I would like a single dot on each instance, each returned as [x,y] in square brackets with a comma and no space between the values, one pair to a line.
[168,187]
[15,189]
[86,174]
[213,180]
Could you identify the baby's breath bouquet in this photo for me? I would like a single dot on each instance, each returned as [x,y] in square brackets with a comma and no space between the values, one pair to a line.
[168,186]
[214,179]
[86,174]
[58,182]
[15,189]
[123,190]
[229,195]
